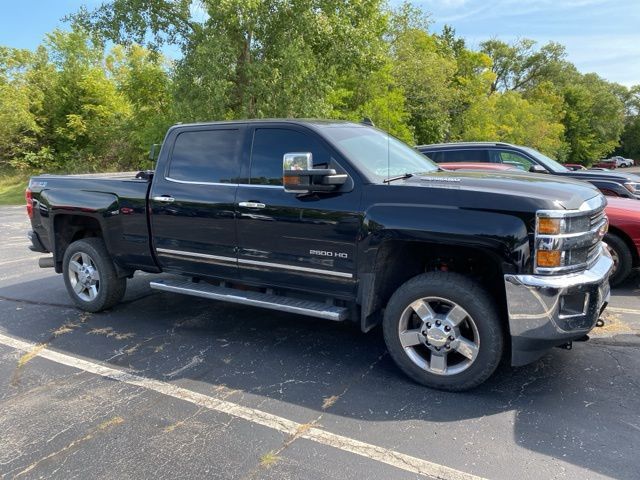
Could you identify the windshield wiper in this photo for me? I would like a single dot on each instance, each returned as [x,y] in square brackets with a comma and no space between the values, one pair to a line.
[399,177]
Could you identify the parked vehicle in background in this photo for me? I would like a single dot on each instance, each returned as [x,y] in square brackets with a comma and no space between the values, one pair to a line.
[619,184]
[574,166]
[607,163]
[340,221]
[471,166]
[623,237]
[622,162]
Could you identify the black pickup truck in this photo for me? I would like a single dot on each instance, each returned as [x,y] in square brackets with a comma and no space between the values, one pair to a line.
[340,221]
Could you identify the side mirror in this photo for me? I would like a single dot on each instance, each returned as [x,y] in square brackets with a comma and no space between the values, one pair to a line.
[535,168]
[299,176]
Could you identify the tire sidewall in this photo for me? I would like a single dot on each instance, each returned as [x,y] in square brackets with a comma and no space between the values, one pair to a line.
[624,259]
[475,301]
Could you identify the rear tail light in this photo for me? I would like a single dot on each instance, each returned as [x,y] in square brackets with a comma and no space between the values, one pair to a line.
[29,198]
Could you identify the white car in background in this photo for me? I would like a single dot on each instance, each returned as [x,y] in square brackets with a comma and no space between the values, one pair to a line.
[622,162]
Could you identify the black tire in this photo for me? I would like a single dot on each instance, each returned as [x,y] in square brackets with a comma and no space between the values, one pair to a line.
[475,301]
[623,260]
[110,288]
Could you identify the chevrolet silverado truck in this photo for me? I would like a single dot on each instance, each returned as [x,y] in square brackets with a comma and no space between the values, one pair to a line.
[343,222]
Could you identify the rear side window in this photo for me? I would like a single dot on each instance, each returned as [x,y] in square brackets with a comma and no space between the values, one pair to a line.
[206,156]
[435,156]
[270,145]
[464,156]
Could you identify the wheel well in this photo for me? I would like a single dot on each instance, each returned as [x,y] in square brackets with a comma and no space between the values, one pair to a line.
[398,262]
[628,242]
[68,229]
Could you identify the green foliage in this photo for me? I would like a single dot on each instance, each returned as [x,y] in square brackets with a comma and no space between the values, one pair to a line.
[514,119]
[73,105]
[12,187]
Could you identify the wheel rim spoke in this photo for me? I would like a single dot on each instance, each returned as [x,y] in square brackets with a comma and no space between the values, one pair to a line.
[78,287]
[438,363]
[411,338]
[466,348]
[74,266]
[85,259]
[423,310]
[92,291]
[456,315]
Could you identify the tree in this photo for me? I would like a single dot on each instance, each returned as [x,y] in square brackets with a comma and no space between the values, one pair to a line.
[511,118]
[520,66]
[253,58]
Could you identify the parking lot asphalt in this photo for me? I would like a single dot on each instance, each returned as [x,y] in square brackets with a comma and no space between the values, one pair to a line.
[167,386]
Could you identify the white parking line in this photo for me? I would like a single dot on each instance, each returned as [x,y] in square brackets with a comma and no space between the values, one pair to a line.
[390,457]
[17,260]
[623,310]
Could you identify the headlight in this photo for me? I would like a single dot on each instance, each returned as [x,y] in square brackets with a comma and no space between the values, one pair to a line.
[633,187]
[569,240]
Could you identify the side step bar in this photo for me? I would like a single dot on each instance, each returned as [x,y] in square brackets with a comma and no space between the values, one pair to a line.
[255,299]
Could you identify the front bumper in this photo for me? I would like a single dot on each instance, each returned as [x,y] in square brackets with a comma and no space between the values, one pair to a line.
[547,311]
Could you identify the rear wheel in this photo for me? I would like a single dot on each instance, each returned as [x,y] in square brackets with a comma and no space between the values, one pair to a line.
[622,259]
[90,276]
[443,331]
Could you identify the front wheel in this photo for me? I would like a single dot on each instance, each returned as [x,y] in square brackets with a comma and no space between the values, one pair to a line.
[443,331]
[90,276]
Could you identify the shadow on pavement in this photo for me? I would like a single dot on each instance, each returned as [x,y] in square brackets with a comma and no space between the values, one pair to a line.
[566,406]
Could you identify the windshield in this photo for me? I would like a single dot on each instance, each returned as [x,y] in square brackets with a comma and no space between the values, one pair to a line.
[550,163]
[378,154]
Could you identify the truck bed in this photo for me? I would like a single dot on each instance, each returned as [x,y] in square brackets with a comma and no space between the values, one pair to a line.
[117,201]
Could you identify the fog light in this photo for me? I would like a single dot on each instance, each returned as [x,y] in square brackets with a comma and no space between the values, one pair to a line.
[549,258]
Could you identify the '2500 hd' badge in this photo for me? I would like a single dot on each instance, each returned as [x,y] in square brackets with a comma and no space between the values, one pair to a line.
[324,253]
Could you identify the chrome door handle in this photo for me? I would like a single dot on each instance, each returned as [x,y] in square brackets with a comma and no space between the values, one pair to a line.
[252,204]
[163,198]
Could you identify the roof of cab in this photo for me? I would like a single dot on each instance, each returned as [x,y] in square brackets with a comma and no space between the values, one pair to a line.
[436,146]
[313,123]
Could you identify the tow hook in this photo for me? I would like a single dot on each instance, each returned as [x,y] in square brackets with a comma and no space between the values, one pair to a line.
[600,323]
[566,346]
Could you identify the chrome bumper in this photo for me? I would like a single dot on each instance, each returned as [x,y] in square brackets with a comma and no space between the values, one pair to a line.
[546,311]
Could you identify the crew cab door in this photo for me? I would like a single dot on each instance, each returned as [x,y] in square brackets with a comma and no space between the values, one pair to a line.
[192,201]
[300,241]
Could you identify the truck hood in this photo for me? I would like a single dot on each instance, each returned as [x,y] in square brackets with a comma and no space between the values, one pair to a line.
[551,191]
[596,175]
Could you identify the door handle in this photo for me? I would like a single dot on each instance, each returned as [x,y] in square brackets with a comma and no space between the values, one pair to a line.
[252,204]
[163,198]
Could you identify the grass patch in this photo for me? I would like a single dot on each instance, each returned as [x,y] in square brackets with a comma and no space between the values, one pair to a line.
[12,187]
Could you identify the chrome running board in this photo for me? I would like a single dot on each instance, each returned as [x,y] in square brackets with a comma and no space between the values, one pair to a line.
[255,299]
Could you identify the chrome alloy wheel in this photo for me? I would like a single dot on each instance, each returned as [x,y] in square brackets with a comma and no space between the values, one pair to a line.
[439,336]
[84,276]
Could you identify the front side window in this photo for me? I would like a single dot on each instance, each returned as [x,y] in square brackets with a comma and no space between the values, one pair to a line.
[512,158]
[208,156]
[269,147]
[376,153]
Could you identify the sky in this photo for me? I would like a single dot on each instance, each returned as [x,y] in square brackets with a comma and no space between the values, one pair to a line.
[601,36]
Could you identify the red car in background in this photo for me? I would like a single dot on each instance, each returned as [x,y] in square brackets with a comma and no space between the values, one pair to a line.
[608,164]
[623,238]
